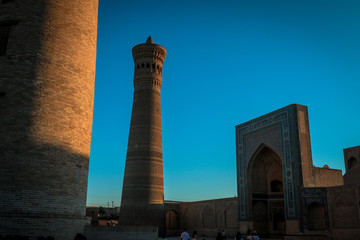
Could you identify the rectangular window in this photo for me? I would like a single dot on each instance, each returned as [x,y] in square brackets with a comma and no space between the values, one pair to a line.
[78,173]
[4,36]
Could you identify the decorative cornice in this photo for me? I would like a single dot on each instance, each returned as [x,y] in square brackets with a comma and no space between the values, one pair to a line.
[153,55]
[147,81]
[152,51]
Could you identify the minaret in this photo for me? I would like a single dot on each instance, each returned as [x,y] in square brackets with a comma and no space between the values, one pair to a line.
[47,81]
[142,199]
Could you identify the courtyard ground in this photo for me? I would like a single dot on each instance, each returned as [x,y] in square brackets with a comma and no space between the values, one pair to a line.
[210,238]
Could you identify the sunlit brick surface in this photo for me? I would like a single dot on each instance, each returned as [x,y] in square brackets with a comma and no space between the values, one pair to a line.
[48,77]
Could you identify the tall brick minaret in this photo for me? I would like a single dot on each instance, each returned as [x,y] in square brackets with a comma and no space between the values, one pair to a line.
[142,200]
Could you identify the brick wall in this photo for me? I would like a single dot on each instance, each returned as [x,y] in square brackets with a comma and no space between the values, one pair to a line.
[47,73]
[206,217]
[61,228]
[123,233]
[326,177]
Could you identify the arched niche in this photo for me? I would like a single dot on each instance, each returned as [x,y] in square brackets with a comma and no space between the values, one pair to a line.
[220,219]
[265,168]
[315,217]
[189,218]
[352,162]
[208,217]
[231,216]
[265,196]
[276,186]
[172,219]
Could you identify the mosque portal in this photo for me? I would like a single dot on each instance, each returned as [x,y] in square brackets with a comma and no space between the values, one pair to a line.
[273,161]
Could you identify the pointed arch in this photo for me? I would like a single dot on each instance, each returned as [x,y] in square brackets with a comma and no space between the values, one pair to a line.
[189,218]
[266,166]
[220,219]
[208,217]
[172,219]
[352,162]
[231,215]
[265,178]
[260,150]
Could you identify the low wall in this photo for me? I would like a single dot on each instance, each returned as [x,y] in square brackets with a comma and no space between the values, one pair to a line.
[32,227]
[121,233]
[327,177]
[206,217]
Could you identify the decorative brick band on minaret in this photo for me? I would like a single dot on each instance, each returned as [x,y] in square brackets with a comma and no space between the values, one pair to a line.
[143,189]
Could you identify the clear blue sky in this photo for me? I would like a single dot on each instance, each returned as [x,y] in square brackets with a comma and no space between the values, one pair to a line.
[228,62]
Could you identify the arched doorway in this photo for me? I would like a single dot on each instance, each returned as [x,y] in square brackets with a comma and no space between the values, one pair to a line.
[172,219]
[352,162]
[266,192]
[316,217]
[172,222]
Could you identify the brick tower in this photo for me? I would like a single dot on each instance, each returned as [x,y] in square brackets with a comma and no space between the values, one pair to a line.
[142,200]
[47,77]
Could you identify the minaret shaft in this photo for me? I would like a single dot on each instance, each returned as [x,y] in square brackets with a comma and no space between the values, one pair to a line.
[143,188]
[143,178]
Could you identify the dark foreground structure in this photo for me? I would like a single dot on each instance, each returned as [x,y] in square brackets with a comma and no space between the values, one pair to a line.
[47,77]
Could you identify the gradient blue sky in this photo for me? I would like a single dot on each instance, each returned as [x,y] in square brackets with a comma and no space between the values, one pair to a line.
[228,62]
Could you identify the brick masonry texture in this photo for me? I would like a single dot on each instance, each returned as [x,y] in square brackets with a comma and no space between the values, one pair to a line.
[59,228]
[47,79]
[123,233]
[142,199]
